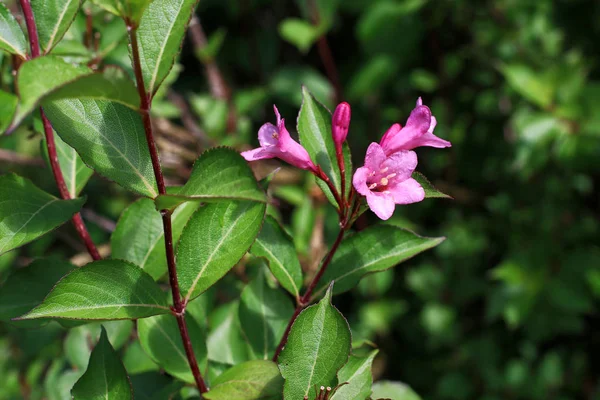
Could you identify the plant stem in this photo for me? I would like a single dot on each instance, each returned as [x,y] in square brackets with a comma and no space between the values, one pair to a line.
[50,144]
[305,299]
[178,305]
[326,56]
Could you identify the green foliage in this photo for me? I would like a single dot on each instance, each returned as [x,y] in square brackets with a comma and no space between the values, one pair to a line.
[12,38]
[27,212]
[316,349]
[355,377]
[53,18]
[108,289]
[252,380]
[105,376]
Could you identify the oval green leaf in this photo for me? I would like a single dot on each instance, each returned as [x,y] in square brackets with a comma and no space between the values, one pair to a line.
[374,249]
[12,38]
[105,377]
[251,380]
[27,212]
[277,247]
[213,241]
[161,340]
[317,347]
[355,378]
[110,139]
[53,18]
[103,290]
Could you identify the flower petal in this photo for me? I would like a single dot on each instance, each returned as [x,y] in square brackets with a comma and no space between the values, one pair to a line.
[359,180]
[260,153]
[374,157]
[382,204]
[401,163]
[268,135]
[407,192]
[389,134]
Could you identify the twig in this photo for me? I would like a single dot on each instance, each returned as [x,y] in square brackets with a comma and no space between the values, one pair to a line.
[327,57]
[178,305]
[188,119]
[16,158]
[49,133]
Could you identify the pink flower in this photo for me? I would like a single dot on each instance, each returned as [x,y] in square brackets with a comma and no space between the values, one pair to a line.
[340,123]
[386,180]
[417,132]
[276,142]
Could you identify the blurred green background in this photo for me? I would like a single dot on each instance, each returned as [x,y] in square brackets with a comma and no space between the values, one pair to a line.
[507,306]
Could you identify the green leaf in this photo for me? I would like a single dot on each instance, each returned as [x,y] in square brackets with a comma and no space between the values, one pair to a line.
[161,340]
[27,287]
[532,85]
[27,212]
[12,38]
[136,360]
[252,380]
[75,172]
[127,9]
[109,137]
[317,347]
[53,18]
[104,290]
[63,80]
[160,35]
[393,390]
[300,33]
[213,241]
[430,190]
[155,386]
[8,106]
[277,247]
[374,249]
[214,43]
[219,173]
[139,235]
[225,342]
[264,314]
[314,130]
[105,377]
[357,376]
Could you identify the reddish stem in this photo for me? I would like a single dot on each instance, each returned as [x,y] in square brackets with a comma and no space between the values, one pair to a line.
[178,305]
[50,144]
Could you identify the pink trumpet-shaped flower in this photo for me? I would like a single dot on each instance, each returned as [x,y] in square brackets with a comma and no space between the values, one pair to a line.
[417,132]
[340,123]
[386,180]
[276,142]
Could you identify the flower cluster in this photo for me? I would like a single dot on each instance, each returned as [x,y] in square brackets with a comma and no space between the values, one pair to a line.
[386,177]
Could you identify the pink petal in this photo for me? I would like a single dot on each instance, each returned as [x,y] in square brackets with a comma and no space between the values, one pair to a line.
[419,102]
[277,114]
[340,123]
[407,192]
[382,204]
[260,153]
[359,180]
[402,163]
[268,135]
[374,157]
[390,133]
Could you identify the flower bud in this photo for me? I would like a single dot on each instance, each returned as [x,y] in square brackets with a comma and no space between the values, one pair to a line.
[340,123]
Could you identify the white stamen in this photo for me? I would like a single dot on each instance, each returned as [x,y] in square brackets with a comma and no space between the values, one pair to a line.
[383,171]
[275,135]
[372,186]
[384,181]
[390,176]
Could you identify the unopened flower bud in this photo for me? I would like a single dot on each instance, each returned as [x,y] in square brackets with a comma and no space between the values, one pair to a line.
[340,123]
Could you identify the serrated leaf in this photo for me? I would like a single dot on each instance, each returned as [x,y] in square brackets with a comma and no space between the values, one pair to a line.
[139,235]
[374,249]
[27,212]
[53,18]
[63,80]
[160,35]
[105,377]
[274,244]
[8,106]
[26,287]
[213,241]
[356,377]
[219,173]
[103,290]
[74,170]
[430,190]
[110,139]
[127,9]
[251,380]
[161,340]
[264,314]
[12,38]
[393,390]
[314,131]
[317,347]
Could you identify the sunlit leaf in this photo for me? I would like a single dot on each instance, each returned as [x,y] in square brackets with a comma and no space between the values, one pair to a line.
[251,380]
[12,38]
